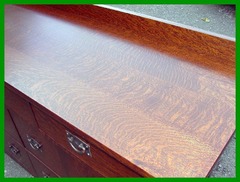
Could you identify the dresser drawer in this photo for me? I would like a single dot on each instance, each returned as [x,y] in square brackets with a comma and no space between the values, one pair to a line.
[74,167]
[43,148]
[98,160]
[38,143]
[21,107]
[16,151]
[41,169]
[10,126]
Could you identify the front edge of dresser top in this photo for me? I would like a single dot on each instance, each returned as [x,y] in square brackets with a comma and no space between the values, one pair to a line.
[158,98]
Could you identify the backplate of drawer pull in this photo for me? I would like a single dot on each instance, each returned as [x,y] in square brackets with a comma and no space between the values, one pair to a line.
[14,149]
[45,175]
[34,144]
[78,145]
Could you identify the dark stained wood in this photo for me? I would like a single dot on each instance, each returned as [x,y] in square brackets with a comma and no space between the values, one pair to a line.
[65,165]
[162,97]
[48,125]
[74,167]
[48,153]
[21,157]
[10,126]
[20,106]
[100,161]
[41,169]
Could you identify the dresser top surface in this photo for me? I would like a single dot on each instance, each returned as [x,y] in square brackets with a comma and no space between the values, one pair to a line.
[169,116]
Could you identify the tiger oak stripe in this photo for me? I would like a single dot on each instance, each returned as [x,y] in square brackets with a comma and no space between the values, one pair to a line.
[165,101]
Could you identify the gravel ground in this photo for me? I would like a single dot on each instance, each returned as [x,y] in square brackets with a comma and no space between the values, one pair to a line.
[226,164]
[13,169]
[215,18]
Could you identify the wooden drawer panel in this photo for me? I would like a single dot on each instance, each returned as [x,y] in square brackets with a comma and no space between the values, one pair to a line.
[10,127]
[48,151]
[74,167]
[39,144]
[16,151]
[99,161]
[41,169]
[18,105]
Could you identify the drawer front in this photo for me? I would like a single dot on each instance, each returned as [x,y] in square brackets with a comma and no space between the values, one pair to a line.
[44,149]
[99,160]
[21,107]
[39,144]
[18,153]
[10,127]
[75,167]
[41,169]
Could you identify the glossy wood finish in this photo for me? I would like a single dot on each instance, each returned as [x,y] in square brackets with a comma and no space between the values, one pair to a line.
[21,156]
[154,96]
[75,167]
[17,104]
[10,126]
[48,153]
[194,47]
[100,161]
[41,169]
[26,125]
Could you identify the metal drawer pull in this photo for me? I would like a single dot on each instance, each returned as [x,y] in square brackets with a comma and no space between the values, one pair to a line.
[34,144]
[78,145]
[14,149]
[45,175]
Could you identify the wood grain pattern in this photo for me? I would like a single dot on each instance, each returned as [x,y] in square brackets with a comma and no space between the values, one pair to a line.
[100,162]
[163,97]
[194,47]
[48,153]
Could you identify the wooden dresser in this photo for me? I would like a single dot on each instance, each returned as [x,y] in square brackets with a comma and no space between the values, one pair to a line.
[95,92]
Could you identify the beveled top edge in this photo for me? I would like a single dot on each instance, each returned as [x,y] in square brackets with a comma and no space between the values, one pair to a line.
[168,22]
